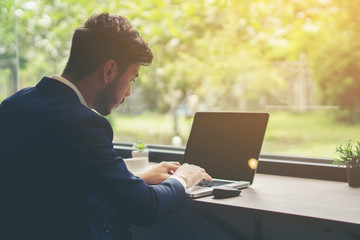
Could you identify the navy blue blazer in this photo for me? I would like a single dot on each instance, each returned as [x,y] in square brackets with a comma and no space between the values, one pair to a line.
[59,172]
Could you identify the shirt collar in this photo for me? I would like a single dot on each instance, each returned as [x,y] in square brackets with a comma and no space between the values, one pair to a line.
[72,86]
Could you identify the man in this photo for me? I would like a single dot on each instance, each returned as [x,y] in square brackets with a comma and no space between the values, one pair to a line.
[59,170]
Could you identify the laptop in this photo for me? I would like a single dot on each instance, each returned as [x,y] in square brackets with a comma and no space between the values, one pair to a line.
[227,145]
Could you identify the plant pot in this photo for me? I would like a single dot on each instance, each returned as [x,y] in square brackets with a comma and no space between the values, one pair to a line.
[353,176]
[137,164]
[143,153]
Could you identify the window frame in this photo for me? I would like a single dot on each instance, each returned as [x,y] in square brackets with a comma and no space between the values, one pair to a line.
[282,165]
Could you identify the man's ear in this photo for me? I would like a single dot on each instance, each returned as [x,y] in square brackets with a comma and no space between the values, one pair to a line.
[110,71]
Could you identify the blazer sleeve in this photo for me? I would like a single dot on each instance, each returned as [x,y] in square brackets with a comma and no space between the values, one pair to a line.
[91,139]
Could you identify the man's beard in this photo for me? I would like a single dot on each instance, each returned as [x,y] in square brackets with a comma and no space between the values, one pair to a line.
[105,99]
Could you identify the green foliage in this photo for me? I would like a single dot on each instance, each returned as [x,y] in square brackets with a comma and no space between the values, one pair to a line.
[200,46]
[336,59]
[139,146]
[338,75]
[348,154]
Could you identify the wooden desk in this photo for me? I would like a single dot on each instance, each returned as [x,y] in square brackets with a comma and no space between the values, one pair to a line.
[274,207]
[327,204]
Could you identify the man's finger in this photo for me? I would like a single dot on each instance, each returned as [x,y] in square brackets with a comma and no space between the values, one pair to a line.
[172,166]
[207,177]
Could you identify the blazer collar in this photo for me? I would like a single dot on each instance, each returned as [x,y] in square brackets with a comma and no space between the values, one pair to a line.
[57,86]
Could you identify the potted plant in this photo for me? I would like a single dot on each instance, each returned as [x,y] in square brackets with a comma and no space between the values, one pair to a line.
[140,149]
[349,156]
[140,158]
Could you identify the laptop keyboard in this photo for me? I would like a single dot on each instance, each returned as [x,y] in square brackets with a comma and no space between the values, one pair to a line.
[215,183]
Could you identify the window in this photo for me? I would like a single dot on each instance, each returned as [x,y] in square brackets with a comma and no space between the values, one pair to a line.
[297,60]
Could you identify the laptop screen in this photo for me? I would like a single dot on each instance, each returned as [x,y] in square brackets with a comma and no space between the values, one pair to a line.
[226,144]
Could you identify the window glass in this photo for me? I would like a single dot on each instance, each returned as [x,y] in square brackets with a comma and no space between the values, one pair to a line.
[298,60]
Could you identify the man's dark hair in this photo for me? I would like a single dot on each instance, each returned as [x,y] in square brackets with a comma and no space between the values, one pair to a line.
[103,37]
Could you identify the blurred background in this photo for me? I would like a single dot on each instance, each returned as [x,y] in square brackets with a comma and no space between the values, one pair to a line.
[298,60]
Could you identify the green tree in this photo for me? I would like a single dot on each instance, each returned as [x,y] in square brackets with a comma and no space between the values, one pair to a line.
[220,50]
[202,47]
[336,59]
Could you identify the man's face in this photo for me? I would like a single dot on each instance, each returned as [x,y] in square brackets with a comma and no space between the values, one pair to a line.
[115,92]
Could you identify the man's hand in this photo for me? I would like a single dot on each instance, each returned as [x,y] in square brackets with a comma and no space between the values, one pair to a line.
[159,172]
[192,174]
